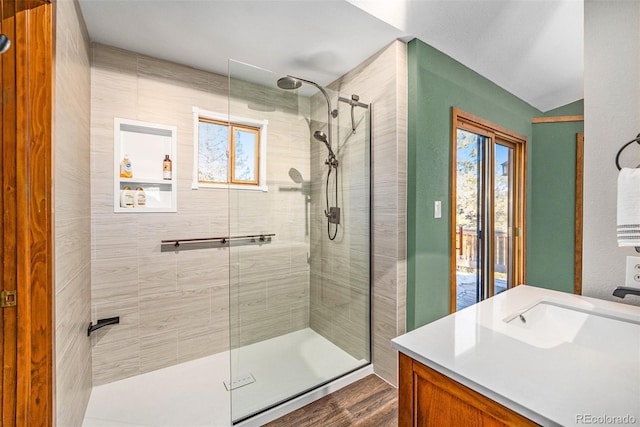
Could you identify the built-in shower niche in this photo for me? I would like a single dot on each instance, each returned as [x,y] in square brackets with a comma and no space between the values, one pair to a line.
[146,186]
[299,307]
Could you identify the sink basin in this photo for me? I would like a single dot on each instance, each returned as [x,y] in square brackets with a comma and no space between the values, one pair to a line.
[548,324]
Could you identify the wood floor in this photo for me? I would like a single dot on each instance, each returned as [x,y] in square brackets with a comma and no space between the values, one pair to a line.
[368,402]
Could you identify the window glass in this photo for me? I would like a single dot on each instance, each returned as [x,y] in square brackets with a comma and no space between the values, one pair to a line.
[246,154]
[213,152]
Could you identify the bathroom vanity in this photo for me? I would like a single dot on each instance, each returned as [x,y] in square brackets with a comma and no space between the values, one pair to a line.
[526,356]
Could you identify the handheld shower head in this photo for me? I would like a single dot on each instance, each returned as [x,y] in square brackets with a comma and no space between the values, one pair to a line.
[322,137]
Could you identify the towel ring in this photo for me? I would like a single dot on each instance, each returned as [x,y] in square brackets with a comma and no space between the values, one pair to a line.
[636,139]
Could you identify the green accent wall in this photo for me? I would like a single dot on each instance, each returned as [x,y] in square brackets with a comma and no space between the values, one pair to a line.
[574,109]
[437,83]
[551,219]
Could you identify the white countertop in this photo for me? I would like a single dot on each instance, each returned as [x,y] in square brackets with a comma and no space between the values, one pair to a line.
[568,375]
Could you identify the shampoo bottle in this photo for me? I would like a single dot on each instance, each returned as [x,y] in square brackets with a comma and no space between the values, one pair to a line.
[140,198]
[126,197]
[126,170]
[166,167]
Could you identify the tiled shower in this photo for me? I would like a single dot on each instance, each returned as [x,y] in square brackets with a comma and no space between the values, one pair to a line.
[174,307]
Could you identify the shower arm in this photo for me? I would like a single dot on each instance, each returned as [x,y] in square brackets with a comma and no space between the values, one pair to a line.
[330,113]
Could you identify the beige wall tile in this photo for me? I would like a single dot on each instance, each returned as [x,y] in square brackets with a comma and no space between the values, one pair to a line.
[127,329]
[386,89]
[201,269]
[158,351]
[157,273]
[72,227]
[269,323]
[72,251]
[300,318]
[220,302]
[202,341]
[192,316]
[73,350]
[116,360]
[114,278]
[290,291]
[172,311]
[115,236]
[352,336]
[320,320]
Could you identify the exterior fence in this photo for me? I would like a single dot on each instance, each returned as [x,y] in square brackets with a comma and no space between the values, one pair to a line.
[467,249]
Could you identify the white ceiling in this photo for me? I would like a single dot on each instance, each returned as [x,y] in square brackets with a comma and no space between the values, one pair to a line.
[532,48]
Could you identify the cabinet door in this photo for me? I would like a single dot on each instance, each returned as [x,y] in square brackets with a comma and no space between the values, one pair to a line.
[428,398]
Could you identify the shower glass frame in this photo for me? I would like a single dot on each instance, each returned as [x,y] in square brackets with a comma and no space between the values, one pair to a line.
[299,292]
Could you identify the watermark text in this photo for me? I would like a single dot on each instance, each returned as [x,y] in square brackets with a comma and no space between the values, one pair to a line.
[591,419]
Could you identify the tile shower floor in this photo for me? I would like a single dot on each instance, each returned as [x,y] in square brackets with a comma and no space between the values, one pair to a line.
[192,393]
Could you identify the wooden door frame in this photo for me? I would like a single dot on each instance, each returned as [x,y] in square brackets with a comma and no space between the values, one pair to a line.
[27,376]
[579,196]
[577,286]
[486,127]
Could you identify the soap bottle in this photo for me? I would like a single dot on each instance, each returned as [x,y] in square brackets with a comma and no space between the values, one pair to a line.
[126,197]
[166,167]
[140,198]
[126,170]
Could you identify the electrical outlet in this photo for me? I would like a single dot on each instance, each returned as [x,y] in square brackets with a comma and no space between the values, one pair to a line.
[632,275]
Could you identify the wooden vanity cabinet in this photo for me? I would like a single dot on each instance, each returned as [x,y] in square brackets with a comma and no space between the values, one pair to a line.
[428,398]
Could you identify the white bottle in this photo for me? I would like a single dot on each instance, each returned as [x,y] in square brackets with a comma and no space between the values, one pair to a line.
[126,197]
[140,198]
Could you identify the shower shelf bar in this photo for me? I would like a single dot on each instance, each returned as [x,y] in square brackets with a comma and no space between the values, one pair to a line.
[214,242]
[353,102]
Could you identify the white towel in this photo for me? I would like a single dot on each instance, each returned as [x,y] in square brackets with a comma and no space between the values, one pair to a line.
[629,207]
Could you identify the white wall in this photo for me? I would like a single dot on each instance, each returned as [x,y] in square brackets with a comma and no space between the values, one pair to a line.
[612,117]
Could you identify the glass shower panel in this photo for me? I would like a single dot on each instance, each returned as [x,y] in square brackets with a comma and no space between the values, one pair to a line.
[299,301]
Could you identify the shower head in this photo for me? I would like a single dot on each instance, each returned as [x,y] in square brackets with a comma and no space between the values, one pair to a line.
[5,43]
[289,83]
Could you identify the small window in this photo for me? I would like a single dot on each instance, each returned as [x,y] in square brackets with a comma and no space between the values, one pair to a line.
[228,152]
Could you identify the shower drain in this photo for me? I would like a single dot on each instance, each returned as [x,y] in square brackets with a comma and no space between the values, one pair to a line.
[239,381]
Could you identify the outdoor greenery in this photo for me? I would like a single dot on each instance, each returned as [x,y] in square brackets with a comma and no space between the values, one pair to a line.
[468,181]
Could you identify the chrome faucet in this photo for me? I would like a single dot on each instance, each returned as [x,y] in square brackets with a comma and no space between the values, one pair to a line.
[622,291]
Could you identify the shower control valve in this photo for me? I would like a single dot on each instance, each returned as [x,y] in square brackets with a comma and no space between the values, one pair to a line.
[331,162]
[333,216]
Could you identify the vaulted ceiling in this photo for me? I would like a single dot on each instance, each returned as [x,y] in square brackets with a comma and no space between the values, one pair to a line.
[532,48]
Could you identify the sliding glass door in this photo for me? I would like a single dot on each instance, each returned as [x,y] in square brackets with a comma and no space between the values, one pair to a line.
[503,221]
[487,219]
[469,256]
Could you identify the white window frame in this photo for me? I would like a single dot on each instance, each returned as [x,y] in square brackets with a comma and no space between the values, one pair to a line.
[262,168]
